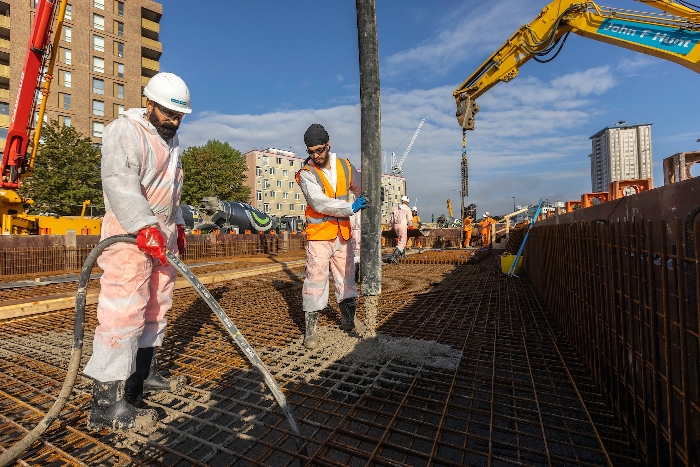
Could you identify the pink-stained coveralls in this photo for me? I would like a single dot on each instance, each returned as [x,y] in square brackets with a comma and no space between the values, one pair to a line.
[402,217]
[322,255]
[142,182]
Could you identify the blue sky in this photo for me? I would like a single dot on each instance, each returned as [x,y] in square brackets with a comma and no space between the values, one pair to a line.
[261,72]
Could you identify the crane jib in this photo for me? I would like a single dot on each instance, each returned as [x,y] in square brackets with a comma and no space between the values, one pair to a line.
[665,38]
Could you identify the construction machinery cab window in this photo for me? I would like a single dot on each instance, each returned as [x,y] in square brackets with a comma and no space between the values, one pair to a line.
[98,43]
[98,86]
[97,128]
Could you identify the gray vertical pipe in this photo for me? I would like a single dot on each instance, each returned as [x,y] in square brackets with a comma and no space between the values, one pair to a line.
[371,147]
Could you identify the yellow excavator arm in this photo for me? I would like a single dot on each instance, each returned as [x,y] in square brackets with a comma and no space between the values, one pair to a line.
[449,207]
[673,35]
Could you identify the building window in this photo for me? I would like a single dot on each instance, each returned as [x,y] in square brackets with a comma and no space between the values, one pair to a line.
[99,4]
[279,183]
[258,172]
[279,207]
[65,55]
[118,49]
[119,8]
[64,121]
[98,21]
[272,170]
[258,195]
[98,86]
[119,91]
[64,78]
[119,70]
[303,207]
[291,163]
[291,207]
[266,162]
[266,184]
[98,43]
[97,128]
[98,64]
[4,108]
[297,196]
[98,108]
[285,195]
[67,34]
[291,184]
[272,194]
[285,173]
[119,28]
[64,101]
[266,207]
[118,110]
[279,161]
[69,13]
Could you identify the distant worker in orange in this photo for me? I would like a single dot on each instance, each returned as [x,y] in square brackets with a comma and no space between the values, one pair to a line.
[485,225]
[468,226]
[415,225]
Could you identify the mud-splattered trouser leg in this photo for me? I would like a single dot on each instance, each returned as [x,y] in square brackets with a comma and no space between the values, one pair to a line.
[323,256]
[402,233]
[136,292]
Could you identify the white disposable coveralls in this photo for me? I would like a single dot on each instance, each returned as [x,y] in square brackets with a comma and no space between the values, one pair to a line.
[402,217]
[322,255]
[356,230]
[142,183]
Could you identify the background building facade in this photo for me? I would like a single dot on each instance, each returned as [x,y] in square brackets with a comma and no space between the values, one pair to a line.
[109,49]
[620,152]
[394,187]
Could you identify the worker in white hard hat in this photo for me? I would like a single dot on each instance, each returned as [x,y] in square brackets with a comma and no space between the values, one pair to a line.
[401,219]
[326,182]
[485,226]
[142,181]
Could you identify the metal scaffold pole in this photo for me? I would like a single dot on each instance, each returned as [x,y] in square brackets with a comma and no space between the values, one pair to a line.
[371,150]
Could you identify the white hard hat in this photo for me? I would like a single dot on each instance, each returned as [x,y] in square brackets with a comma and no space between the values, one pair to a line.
[404,198]
[170,91]
[486,215]
[414,208]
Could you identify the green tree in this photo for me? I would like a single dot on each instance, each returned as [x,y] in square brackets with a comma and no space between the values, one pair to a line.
[66,172]
[214,169]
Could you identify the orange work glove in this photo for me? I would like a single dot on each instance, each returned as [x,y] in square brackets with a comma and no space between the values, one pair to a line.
[181,240]
[152,242]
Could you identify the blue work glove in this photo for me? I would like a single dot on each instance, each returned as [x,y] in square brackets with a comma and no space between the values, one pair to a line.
[360,203]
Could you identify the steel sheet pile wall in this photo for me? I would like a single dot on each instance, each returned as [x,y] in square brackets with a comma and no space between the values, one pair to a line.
[632,314]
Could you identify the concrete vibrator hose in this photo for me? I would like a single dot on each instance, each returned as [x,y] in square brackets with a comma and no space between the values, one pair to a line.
[78,334]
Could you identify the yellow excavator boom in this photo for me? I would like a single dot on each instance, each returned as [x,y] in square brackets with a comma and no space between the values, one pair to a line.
[673,35]
[449,207]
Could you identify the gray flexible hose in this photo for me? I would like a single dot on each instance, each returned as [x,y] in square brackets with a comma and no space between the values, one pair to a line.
[18,448]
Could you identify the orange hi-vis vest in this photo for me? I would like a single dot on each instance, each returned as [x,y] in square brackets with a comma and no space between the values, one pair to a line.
[320,226]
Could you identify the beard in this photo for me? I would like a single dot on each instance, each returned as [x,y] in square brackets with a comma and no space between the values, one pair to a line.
[165,130]
[324,161]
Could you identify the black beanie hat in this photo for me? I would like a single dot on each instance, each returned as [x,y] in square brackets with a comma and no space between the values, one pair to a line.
[315,135]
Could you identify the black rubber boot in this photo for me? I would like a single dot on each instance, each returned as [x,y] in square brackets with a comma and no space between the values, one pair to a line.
[394,258]
[403,254]
[110,410]
[348,320]
[147,379]
[310,337]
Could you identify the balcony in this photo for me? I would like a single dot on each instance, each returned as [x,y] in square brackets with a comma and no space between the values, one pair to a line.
[4,71]
[4,22]
[4,93]
[151,44]
[4,43]
[149,64]
[150,25]
[4,121]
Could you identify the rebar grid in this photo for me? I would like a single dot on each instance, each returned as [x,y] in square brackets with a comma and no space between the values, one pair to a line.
[625,294]
[510,400]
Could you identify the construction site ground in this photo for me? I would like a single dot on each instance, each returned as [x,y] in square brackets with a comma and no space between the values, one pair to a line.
[468,368]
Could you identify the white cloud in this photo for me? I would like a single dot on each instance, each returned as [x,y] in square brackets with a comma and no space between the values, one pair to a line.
[526,141]
[477,33]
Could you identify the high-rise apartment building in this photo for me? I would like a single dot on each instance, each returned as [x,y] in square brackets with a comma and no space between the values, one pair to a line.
[274,190]
[620,152]
[108,51]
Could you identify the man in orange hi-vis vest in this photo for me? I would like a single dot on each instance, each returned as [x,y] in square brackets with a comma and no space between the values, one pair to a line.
[326,182]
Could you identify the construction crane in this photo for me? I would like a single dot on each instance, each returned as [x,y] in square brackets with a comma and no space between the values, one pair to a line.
[17,161]
[672,35]
[396,168]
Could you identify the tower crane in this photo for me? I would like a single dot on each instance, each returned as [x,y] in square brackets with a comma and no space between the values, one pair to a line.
[396,168]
